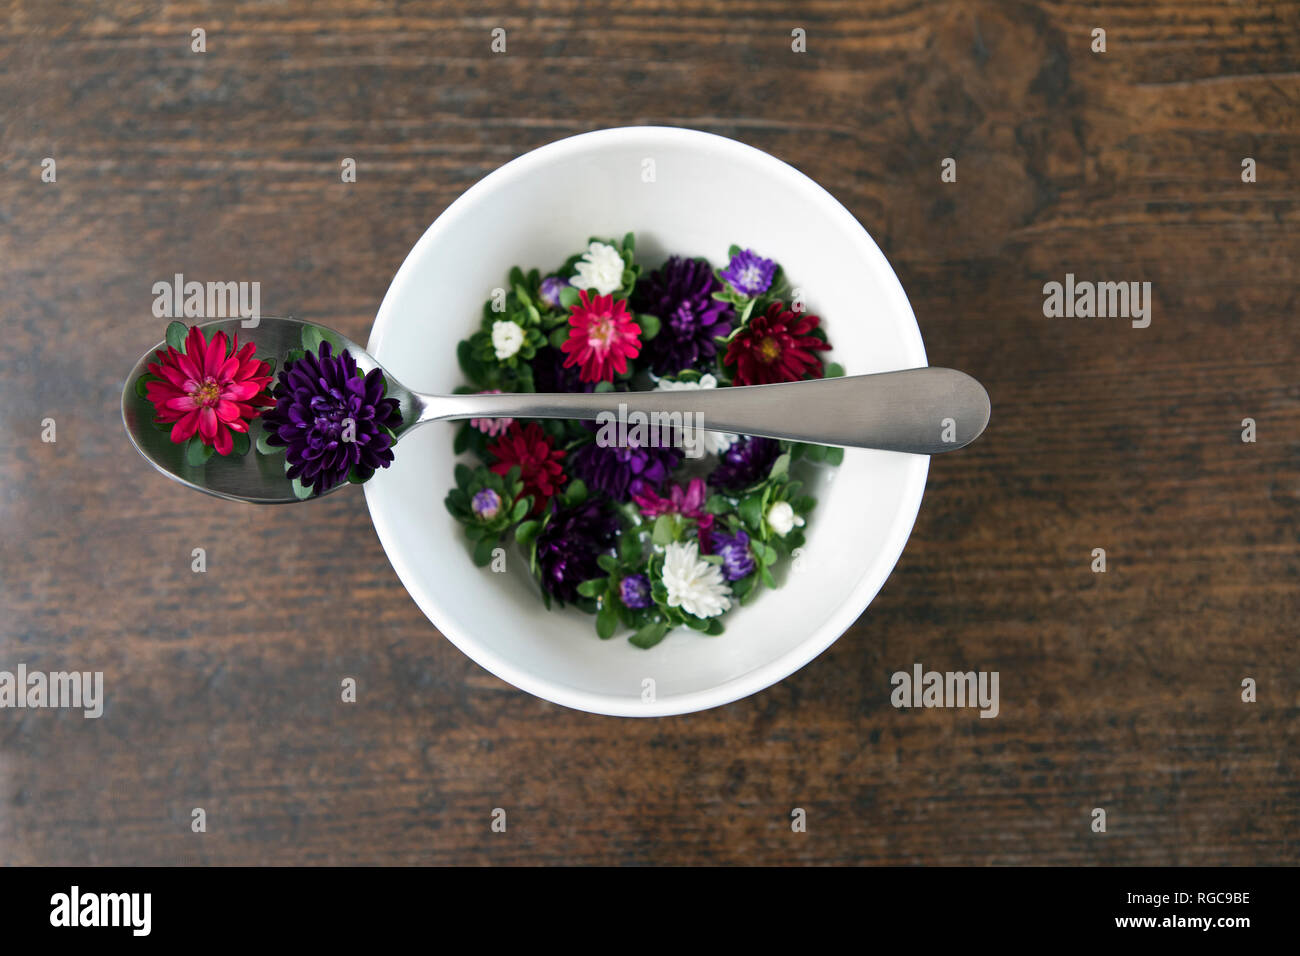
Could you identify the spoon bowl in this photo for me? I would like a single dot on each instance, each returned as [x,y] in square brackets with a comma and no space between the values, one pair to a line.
[253,478]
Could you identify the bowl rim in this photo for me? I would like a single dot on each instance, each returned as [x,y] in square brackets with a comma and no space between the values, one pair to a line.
[873,577]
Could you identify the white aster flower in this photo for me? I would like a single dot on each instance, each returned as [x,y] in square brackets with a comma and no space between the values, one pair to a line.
[782,519]
[695,586]
[507,337]
[600,268]
[715,443]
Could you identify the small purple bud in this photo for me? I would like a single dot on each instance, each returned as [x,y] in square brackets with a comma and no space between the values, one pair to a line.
[486,504]
[635,591]
[550,290]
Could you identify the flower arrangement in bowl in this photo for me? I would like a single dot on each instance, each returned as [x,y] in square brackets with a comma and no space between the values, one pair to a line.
[640,533]
[538,210]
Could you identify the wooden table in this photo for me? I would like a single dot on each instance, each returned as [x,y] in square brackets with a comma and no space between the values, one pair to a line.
[1119,691]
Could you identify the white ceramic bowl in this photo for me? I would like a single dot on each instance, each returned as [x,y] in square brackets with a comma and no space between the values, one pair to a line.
[707,193]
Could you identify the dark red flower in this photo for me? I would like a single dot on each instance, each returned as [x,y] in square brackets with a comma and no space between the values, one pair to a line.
[539,461]
[777,346]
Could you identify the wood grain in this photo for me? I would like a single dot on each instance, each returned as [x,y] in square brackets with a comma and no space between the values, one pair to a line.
[1119,690]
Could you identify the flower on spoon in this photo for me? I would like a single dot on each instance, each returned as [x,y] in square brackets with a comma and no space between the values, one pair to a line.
[208,390]
[335,424]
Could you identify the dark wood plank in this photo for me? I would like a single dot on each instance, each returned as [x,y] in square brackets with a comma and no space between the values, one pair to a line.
[1118,690]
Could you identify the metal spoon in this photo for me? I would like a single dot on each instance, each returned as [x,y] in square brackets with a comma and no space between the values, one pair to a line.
[923,411]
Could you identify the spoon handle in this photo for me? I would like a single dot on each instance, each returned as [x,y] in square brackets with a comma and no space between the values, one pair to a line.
[923,411]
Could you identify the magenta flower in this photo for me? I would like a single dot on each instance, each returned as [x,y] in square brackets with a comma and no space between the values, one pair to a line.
[688,501]
[208,390]
[602,337]
[492,427]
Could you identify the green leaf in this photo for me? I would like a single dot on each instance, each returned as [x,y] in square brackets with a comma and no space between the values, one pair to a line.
[483,550]
[665,530]
[751,511]
[526,532]
[141,386]
[263,448]
[196,453]
[270,366]
[629,547]
[176,333]
[835,456]
[311,338]
[606,621]
[240,444]
[717,505]
[559,336]
[464,474]
[649,326]
[607,562]
[834,370]
[715,627]
[649,635]
[302,491]
[593,588]
[780,467]
[294,355]
[575,493]
[520,509]
[569,297]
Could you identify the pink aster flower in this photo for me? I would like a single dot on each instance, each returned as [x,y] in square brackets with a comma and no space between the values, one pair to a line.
[687,502]
[492,427]
[207,390]
[602,338]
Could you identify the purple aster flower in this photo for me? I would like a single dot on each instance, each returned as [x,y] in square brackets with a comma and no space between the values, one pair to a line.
[680,294]
[486,504]
[737,562]
[567,548]
[316,399]
[622,471]
[550,374]
[550,290]
[634,590]
[745,463]
[749,273]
